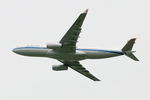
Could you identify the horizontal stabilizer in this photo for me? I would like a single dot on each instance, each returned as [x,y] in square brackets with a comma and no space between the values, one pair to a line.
[132,56]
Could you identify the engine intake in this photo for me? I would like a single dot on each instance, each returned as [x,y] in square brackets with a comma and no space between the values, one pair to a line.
[59,67]
[54,46]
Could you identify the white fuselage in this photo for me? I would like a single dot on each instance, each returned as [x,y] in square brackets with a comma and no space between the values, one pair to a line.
[80,54]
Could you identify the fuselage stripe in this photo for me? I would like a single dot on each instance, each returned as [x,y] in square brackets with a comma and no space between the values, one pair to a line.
[98,50]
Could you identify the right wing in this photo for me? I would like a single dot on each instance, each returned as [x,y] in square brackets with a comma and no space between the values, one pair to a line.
[79,68]
[69,40]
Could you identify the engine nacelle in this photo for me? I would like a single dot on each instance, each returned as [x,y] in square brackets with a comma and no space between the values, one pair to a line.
[54,46]
[59,67]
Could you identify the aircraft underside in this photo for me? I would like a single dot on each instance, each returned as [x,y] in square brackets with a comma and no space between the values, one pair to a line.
[66,52]
[82,56]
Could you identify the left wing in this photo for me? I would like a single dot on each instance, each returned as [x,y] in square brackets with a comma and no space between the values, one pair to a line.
[79,68]
[70,38]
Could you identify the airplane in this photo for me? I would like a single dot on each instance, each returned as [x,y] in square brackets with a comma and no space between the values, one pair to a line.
[66,52]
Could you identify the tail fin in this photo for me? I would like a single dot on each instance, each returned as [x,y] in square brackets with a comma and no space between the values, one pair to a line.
[129,45]
[127,49]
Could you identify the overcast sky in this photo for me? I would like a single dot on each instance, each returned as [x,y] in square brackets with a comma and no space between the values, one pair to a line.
[108,25]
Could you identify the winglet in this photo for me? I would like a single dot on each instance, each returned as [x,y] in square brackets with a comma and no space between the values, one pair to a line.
[85,11]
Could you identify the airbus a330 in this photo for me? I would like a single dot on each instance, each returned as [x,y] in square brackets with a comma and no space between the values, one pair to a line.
[66,52]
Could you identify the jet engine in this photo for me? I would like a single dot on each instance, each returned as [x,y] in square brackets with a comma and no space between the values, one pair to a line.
[59,67]
[54,46]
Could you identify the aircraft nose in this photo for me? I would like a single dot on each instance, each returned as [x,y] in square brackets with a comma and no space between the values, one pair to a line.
[15,50]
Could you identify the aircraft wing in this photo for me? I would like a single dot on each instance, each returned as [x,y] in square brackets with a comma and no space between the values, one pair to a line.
[69,40]
[79,68]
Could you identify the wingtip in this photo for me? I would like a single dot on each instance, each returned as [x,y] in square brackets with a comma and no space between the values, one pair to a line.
[97,80]
[85,11]
[133,38]
[137,60]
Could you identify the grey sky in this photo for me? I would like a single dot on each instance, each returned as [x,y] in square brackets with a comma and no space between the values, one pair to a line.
[108,25]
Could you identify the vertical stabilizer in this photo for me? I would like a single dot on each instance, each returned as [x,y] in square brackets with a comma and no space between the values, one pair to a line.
[129,45]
